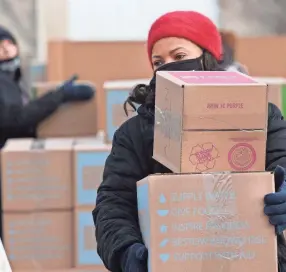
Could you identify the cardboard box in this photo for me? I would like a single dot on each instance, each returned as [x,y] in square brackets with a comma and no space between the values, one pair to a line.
[99,268]
[251,52]
[276,91]
[36,174]
[85,241]
[116,93]
[210,100]
[98,61]
[37,240]
[205,121]
[89,161]
[75,119]
[211,151]
[207,222]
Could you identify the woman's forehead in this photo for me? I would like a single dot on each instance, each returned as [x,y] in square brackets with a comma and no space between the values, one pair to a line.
[167,46]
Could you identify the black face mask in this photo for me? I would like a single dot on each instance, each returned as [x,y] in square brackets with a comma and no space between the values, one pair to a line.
[184,65]
[11,65]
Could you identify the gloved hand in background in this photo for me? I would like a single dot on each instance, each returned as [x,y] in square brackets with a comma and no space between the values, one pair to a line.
[76,92]
[275,203]
[134,259]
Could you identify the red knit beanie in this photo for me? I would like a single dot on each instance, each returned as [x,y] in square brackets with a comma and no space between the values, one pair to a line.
[189,25]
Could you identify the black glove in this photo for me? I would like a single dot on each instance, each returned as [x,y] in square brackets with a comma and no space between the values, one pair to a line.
[134,259]
[76,92]
[275,203]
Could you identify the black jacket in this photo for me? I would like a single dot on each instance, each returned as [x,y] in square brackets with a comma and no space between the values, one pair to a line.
[16,120]
[115,215]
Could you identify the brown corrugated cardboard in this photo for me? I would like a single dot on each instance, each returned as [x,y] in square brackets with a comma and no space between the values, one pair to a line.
[116,93]
[251,52]
[76,119]
[205,121]
[89,159]
[87,269]
[207,222]
[210,100]
[98,62]
[276,91]
[99,268]
[42,88]
[211,151]
[84,238]
[39,240]
[36,174]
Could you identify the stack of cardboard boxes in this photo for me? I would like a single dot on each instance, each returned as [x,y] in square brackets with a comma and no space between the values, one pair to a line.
[48,194]
[37,203]
[49,185]
[210,130]
[80,119]
[89,160]
[204,122]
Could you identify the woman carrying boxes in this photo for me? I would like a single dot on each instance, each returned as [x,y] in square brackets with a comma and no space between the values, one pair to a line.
[177,41]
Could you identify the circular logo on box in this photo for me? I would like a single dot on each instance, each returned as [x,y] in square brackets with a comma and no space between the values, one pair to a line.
[241,157]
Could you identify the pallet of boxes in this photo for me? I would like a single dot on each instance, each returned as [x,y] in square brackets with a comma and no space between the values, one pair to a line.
[48,193]
[210,130]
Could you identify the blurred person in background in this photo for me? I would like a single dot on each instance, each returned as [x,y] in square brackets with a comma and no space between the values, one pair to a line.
[177,41]
[228,62]
[19,117]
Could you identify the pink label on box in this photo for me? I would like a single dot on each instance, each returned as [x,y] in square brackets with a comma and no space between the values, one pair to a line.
[192,77]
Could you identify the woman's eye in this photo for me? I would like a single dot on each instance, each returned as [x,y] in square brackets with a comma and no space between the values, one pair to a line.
[180,56]
[157,63]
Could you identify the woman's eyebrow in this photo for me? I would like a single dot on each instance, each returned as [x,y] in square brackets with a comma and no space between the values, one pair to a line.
[171,52]
[176,49]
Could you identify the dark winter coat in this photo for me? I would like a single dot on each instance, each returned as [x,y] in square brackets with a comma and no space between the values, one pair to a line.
[17,120]
[115,215]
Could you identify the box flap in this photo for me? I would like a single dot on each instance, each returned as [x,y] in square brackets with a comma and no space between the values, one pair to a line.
[17,145]
[210,78]
[124,84]
[271,80]
[57,144]
[91,146]
[85,140]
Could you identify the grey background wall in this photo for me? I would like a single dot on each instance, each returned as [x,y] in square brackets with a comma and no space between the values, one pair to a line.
[34,22]
[253,17]
[20,17]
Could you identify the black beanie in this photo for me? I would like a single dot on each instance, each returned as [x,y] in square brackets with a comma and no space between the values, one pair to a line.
[6,35]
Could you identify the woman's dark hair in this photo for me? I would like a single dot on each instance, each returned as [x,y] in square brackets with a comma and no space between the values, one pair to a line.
[145,94]
[228,55]
[228,46]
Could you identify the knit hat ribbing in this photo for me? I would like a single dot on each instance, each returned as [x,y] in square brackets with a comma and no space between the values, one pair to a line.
[189,25]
